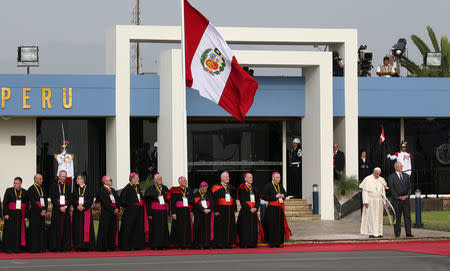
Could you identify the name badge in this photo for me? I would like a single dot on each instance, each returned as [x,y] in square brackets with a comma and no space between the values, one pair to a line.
[139,197]
[80,200]
[252,198]
[227,197]
[280,200]
[62,200]
[204,205]
[113,200]
[18,204]
[185,202]
[161,200]
[42,202]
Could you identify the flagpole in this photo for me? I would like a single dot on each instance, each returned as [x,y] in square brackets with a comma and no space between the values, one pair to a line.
[183,77]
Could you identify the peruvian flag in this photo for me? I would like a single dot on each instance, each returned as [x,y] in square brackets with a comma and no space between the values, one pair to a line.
[211,67]
[382,138]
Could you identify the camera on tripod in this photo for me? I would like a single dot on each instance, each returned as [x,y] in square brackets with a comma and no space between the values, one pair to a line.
[364,61]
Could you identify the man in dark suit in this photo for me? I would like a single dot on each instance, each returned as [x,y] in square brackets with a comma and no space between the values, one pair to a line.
[338,161]
[400,188]
[364,166]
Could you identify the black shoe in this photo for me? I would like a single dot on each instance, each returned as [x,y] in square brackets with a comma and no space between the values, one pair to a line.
[409,235]
[9,252]
[379,236]
[371,236]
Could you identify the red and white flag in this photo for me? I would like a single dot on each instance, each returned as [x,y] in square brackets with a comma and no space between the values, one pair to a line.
[211,67]
[382,138]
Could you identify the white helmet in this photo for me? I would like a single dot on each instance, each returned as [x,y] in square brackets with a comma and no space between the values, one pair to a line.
[155,144]
[296,140]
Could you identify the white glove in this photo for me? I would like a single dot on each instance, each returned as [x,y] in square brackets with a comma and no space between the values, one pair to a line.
[388,156]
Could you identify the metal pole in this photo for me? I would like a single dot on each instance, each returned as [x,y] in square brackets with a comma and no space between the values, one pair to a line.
[418,223]
[28,69]
[138,22]
[315,199]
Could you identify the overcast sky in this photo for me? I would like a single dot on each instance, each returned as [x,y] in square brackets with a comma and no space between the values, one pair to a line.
[71,34]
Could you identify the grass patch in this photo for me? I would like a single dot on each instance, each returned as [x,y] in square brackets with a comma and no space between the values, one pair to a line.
[432,220]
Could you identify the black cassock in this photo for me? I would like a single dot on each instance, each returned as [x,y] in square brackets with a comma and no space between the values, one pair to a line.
[203,223]
[276,229]
[132,235]
[15,205]
[60,229]
[159,229]
[37,235]
[225,222]
[82,226]
[248,222]
[108,225]
[181,233]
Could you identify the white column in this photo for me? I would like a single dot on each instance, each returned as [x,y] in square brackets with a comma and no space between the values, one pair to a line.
[402,129]
[317,140]
[284,158]
[118,127]
[172,162]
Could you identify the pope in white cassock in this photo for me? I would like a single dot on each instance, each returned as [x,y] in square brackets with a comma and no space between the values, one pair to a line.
[374,198]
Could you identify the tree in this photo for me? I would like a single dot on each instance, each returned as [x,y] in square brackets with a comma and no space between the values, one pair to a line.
[443,48]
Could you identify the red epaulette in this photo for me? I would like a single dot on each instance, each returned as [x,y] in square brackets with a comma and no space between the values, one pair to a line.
[216,188]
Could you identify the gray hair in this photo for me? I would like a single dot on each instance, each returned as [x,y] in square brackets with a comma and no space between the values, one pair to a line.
[376,169]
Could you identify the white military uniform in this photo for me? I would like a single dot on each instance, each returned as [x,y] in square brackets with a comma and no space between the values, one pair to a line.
[65,162]
[373,193]
[404,158]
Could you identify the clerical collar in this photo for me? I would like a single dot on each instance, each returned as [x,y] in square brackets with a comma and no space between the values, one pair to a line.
[82,185]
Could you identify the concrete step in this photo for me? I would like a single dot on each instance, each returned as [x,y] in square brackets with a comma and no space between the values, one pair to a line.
[297,207]
[303,217]
[296,201]
[298,212]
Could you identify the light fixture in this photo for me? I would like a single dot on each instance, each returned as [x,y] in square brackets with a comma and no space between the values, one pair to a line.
[433,59]
[28,56]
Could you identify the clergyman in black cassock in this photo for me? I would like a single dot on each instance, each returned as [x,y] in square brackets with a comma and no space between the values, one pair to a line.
[158,210]
[15,211]
[83,236]
[108,225]
[38,209]
[203,217]
[181,201]
[276,230]
[60,228]
[132,234]
[248,222]
[224,195]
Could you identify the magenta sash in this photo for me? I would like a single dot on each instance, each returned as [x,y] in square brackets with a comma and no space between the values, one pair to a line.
[158,206]
[117,225]
[179,204]
[146,225]
[12,206]
[87,225]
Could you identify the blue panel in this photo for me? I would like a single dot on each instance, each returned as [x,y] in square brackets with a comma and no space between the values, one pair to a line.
[276,96]
[92,95]
[404,97]
[144,96]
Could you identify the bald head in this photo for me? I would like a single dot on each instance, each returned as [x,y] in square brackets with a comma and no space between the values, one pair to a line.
[38,179]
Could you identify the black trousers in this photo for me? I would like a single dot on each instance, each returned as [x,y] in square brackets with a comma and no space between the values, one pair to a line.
[402,207]
[295,181]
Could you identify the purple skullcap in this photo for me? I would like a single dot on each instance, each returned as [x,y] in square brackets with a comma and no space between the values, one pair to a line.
[181,177]
[103,178]
[247,173]
[132,174]
[275,172]
[203,184]
[156,176]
